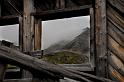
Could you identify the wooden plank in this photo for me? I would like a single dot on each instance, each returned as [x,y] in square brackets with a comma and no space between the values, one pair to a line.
[34,64]
[116,48]
[9,44]
[116,63]
[92,38]
[115,18]
[15,7]
[42,68]
[8,20]
[114,74]
[38,34]
[17,80]
[57,4]
[101,41]
[3,66]
[27,38]
[44,80]
[20,33]
[63,13]
[2,71]
[62,4]
[116,33]
[119,4]
[78,67]
[32,33]
[27,45]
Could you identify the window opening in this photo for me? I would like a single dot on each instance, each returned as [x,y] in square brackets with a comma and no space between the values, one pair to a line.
[66,41]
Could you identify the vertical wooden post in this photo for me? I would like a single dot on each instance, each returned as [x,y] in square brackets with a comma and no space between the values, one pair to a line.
[32,32]
[27,37]
[92,36]
[38,31]
[20,33]
[60,4]
[101,40]
[57,4]
[31,39]
[31,29]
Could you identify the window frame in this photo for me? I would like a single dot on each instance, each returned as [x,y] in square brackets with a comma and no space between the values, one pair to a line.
[91,65]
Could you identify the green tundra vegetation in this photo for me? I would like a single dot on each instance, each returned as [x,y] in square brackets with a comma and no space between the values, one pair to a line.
[65,57]
[11,66]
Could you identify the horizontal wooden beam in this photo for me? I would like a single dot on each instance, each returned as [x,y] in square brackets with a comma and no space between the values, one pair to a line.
[63,13]
[30,80]
[34,65]
[8,20]
[17,80]
[41,68]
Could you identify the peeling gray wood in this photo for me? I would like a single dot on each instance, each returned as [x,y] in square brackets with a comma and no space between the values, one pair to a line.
[101,41]
[27,30]
[27,38]
[92,38]
[20,33]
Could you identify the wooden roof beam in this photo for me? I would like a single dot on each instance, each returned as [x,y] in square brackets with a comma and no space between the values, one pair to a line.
[8,20]
[63,13]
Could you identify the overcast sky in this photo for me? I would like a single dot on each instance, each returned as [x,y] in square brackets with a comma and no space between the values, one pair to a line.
[9,33]
[63,29]
[53,30]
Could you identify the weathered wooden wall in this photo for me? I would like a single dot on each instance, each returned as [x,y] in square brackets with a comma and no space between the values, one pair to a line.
[107,23]
[115,37]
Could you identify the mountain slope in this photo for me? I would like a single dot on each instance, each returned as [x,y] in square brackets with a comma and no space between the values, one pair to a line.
[81,43]
[73,52]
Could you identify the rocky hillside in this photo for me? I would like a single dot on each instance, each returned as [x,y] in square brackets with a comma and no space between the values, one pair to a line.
[73,52]
[79,44]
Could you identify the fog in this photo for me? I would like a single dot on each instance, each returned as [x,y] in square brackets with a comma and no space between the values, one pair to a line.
[63,29]
[10,33]
[53,30]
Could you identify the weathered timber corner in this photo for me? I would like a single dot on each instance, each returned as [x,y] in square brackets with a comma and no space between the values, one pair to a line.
[106,38]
